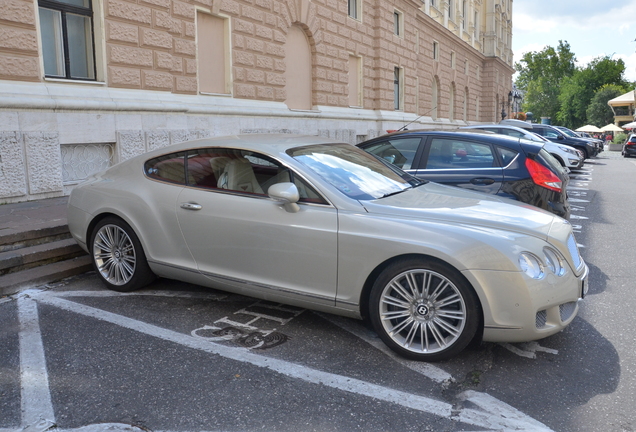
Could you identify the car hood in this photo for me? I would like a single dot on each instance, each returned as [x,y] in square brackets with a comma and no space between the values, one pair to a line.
[449,204]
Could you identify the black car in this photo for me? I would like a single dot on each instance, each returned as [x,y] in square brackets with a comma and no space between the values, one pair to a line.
[588,148]
[629,148]
[495,164]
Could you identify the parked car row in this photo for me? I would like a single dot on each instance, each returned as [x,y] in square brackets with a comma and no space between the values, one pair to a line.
[566,155]
[589,147]
[325,225]
[497,164]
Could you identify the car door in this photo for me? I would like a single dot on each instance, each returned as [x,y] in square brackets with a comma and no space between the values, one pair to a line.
[458,161]
[237,233]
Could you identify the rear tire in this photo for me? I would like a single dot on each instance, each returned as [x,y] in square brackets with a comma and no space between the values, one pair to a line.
[118,257]
[424,309]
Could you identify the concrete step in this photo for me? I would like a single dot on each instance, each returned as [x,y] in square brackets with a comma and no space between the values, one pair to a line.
[33,234]
[28,257]
[14,282]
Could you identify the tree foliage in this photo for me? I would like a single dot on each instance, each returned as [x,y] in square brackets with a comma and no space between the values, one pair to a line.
[540,77]
[579,89]
[554,87]
[598,112]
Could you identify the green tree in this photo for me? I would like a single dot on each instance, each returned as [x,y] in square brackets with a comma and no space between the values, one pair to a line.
[540,77]
[598,112]
[578,89]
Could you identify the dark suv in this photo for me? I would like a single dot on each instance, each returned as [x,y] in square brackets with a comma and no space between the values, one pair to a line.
[496,164]
[629,148]
[555,135]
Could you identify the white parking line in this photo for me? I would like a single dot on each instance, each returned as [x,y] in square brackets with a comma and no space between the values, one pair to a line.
[428,370]
[37,408]
[494,414]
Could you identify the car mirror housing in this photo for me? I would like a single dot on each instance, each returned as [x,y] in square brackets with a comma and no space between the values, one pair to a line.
[285,193]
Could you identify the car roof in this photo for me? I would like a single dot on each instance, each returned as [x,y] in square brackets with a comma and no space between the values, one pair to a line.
[477,134]
[266,143]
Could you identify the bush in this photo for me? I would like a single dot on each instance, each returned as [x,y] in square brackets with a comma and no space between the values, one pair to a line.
[619,138]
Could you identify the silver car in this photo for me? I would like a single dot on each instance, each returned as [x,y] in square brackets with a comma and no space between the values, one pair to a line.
[324,225]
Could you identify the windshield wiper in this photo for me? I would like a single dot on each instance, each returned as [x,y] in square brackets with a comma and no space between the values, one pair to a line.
[393,193]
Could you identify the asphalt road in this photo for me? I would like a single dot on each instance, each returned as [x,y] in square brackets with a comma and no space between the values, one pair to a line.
[77,357]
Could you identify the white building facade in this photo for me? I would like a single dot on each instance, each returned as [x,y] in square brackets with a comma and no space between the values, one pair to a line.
[85,84]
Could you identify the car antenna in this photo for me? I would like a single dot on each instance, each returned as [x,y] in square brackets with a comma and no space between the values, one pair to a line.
[416,119]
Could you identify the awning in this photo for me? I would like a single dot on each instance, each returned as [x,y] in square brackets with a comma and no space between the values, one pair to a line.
[588,128]
[611,128]
[622,100]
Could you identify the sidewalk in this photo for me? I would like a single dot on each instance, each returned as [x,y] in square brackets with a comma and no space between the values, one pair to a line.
[29,215]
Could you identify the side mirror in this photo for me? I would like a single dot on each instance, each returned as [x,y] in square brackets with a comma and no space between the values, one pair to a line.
[286,194]
[560,137]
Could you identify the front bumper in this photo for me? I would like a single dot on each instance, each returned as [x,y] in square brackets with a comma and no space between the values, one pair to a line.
[519,309]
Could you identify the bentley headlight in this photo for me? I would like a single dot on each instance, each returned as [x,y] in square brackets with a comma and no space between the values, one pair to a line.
[531,265]
[554,261]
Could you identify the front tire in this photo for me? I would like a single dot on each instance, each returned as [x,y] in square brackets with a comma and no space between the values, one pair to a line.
[424,309]
[118,256]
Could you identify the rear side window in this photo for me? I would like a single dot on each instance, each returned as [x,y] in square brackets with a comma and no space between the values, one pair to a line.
[399,152]
[169,168]
[507,155]
[448,153]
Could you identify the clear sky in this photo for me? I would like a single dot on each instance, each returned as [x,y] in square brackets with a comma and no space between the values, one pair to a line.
[593,28]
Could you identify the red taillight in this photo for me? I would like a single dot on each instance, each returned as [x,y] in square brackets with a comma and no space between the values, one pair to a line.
[543,176]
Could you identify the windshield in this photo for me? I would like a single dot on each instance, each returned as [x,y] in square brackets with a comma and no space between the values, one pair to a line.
[568,132]
[354,172]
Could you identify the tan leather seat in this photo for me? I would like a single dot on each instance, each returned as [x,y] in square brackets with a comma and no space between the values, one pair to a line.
[238,175]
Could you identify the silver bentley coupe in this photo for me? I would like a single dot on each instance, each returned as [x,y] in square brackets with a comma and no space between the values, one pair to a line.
[315,223]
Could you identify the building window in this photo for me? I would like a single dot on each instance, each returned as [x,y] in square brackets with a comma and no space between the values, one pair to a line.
[354,8]
[451,108]
[464,10]
[355,81]
[398,85]
[451,10]
[435,51]
[476,25]
[397,23]
[67,39]
[434,97]
[212,53]
[433,3]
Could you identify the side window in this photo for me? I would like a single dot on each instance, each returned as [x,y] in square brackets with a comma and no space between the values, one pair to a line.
[507,155]
[512,133]
[242,171]
[548,133]
[448,153]
[169,168]
[400,152]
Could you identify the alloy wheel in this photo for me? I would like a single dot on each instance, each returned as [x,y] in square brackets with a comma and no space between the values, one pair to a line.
[422,311]
[114,255]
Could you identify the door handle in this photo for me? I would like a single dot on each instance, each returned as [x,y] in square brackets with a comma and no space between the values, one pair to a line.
[482,181]
[191,206]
